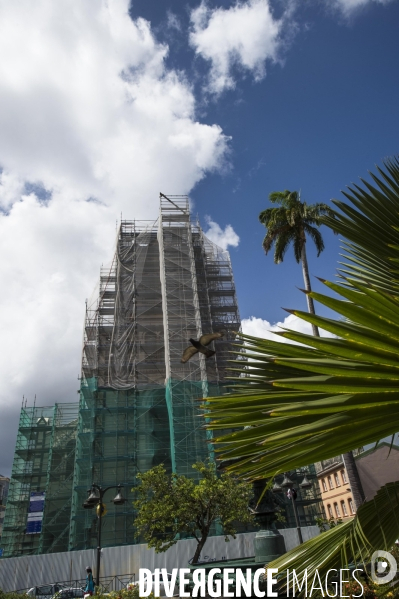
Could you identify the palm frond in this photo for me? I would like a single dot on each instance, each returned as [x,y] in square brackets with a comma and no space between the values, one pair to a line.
[292,405]
[266,215]
[316,237]
[351,384]
[295,216]
[282,243]
[370,224]
[286,198]
[375,527]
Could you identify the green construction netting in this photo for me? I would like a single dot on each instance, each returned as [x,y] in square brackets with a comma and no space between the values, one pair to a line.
[122,433]
[44,461]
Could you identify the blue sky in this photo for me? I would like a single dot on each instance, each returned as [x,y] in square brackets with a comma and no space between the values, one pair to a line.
[317,121]
[105,104]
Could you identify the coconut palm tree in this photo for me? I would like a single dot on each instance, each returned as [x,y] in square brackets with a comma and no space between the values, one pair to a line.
[296,404]
[291,223]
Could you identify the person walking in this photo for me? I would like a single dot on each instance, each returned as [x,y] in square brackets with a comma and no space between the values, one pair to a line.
[89,590]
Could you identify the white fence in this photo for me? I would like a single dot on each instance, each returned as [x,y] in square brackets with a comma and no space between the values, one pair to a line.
[34,570]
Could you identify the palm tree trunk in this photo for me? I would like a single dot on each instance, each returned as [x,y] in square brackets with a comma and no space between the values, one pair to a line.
[348,459]
[306,279]
[354,479]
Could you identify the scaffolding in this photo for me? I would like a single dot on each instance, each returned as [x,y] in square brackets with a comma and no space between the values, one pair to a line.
[138,408]
[198,296]
[44,461]
[138,403]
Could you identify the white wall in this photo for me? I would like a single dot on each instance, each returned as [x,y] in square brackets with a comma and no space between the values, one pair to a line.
[24,572]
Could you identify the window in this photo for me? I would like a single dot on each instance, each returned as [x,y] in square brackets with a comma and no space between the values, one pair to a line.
[343,508]
[337,510]
[330,512]
[330,482]
[323,482]
[343,476]
[337,483]
[351,506]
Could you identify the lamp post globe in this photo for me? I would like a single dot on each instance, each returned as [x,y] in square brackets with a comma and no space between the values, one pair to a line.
[306,484]
[88,505]
[93,498]
[119,499]
[287,482]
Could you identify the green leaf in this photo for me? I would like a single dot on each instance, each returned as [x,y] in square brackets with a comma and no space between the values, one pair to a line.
[369,224]
[374,528]
[292,405]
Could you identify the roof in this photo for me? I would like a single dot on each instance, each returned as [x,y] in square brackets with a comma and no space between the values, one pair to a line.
[373,449]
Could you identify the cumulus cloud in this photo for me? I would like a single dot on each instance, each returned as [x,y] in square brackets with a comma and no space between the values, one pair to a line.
[11,187]
[93,125]
[245,35]
[222,238]
[258,327]
[88,105]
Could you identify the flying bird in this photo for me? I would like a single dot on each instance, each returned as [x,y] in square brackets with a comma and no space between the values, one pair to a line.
[200,346]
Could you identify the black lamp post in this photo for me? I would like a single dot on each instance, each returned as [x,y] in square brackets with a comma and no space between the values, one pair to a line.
[292,494]
[95,498]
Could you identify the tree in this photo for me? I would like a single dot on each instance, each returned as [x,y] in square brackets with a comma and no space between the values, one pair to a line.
[168,505]
[294,405]
[291,223]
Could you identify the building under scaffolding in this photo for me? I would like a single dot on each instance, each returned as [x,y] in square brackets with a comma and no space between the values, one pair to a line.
[167,283]
[138,402]
[44,460]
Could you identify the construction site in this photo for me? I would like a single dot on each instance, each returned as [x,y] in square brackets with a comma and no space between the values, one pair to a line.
[138,404]
[138,408]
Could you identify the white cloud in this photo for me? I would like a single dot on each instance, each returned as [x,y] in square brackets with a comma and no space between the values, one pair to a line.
[89,110]
[348,7]
[245,35]
[88,105]
[258,327]
[11,187]
[222,238]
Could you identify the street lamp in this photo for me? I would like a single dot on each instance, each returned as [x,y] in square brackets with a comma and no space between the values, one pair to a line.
[292,494]
[276,488]
[305,484]
[95,499]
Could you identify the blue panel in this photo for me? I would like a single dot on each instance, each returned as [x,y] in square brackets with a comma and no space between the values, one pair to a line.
[36,506]
[34,527]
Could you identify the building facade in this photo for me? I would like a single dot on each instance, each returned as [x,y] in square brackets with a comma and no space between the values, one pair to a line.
[376,467]
[138,403]
[335,489]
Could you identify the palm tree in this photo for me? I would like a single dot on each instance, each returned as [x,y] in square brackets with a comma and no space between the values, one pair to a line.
[292,222]
[289,224]
[296,404]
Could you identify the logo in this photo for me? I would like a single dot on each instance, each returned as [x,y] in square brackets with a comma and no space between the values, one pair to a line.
[383,567]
